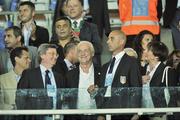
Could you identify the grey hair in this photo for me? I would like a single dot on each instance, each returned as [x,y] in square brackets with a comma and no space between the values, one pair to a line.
[90,45]
[43,48]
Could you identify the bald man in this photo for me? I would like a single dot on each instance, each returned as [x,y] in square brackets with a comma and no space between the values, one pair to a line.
[121,72]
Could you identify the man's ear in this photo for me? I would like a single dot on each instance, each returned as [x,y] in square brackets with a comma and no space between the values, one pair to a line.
[33,13]
[16,58]
[19,38]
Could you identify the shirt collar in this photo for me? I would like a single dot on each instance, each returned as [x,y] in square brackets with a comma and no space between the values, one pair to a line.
[119,55]
[148,67]
[17,77]
[43,69]
[91,68]
[78,21]
[68,63]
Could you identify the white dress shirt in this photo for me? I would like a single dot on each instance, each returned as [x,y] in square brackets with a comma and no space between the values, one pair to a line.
[85,80]
[117,61]
[53,83]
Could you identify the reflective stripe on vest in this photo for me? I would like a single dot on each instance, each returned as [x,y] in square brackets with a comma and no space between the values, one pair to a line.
[140,22]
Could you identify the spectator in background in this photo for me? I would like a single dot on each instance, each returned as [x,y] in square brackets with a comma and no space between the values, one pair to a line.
[85,30]
[34,35]
[64,34]
[14,38]
[60,11]
[140,45]
[95,11]
[171,18]
[139,15]
[173,59]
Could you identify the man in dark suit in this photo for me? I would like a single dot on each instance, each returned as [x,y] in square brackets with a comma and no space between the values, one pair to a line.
[32,32]
[85,75]
[85,30]
[97,13]
[120,77]
[70,60]
[171,18]
[41,83]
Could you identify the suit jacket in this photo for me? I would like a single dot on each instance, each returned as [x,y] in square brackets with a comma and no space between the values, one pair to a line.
[8,85]
[5,57]
[125,94]
[42,36]
[61,67]
[31,93]
[73,82]
[157,93]
[170,10]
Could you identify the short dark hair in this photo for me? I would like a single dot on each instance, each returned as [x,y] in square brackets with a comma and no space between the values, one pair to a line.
[159,50]
[17,32]
[17,52]
[69,46]
[28,3]
[63,18]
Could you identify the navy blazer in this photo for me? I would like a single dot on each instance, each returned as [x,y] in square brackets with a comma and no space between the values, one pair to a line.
[122,96]
[30,97]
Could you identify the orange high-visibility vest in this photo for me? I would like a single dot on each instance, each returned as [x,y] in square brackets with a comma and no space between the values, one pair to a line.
[138,15]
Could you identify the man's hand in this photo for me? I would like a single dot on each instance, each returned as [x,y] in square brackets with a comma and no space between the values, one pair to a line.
[145,79]
[92,88]
[135,117]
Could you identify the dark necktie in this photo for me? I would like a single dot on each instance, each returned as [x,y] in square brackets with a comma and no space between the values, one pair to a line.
[72,67]
[75,24]
[112,65]
[47,79]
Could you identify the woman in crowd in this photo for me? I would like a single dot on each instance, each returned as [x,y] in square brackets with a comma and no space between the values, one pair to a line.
[140,45]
